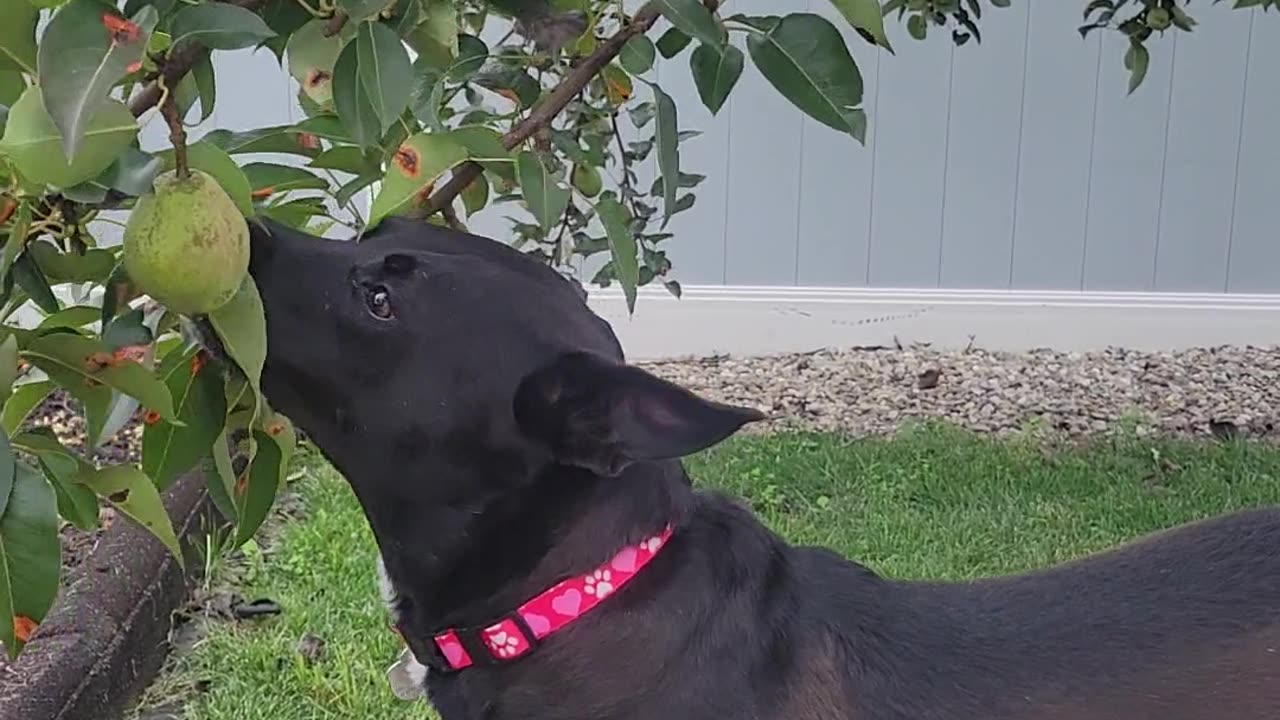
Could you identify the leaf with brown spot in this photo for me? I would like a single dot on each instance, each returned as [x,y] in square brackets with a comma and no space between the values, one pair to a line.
[29,553]
[23,628]
[132,493]
[75,354]
[417,163]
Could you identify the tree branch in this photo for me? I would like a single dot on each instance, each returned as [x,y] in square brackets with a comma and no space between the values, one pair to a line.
[178,64]
[542,115]
[335,24]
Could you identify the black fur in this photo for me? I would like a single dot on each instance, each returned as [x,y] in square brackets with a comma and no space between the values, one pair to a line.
[498,442]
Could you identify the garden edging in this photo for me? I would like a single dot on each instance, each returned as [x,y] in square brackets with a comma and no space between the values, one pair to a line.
[106,637]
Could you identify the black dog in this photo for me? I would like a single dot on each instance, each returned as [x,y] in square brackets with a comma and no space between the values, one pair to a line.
[502,450]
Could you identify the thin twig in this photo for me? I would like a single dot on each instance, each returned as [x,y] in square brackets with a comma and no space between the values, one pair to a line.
[542,115]
[629,197]
[451,218]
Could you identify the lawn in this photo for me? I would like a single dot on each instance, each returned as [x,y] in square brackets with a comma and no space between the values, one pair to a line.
[932,502]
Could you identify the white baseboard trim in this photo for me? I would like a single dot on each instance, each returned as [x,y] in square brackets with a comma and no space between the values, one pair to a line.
[745,320]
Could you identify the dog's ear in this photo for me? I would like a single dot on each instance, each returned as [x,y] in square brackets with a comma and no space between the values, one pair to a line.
[603,415]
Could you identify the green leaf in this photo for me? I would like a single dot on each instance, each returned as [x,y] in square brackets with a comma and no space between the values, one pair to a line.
[34,143]
[242,327]
[435,37]
[169,450]
[418,162]
[27,275]
[128,330]
[269,179]
[638,55]
[353,103]
[133,173]
[1136,60]
[7,471]
[484,145]
[12,83]
[18,37]
[476,195]
[672,42]
[348,159]
[716,73]
[543,195]
[219,26]
[83,54]
[865,16]
[296,213]
[472,54]
[8,375]
[74,317]
[358,10]
[312,55]
[256,496]
[93,363]
[130,491]
[61,467]
[25,398]
[206,85]
[386,72]
[29,552]
[667,137]
[622,246]
[210,158]
[220,479]
[57,267]
[918,27]
[17,239]
[94,397]
[355,185]
[694,20]
[288,139]
[804,57]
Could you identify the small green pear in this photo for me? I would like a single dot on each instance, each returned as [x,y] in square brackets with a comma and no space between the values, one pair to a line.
[186,245]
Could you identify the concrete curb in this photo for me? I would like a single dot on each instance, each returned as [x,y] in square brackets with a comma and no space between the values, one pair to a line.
[107,635]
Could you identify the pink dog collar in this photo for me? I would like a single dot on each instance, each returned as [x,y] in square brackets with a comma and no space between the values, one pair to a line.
[518,633]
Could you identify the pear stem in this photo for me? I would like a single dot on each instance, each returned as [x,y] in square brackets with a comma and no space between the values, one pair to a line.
[177,135]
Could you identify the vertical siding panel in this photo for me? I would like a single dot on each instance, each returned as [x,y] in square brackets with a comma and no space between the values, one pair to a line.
[697,251]
[1255,243]
[1128,168]
[1053,167]
[910,157]
[763,187]
[835,183]
[982,160]
[1200,165]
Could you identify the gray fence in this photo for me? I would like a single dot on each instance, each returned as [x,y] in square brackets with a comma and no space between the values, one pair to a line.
[1018,163]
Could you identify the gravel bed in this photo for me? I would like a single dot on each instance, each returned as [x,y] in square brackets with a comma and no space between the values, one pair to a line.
[1228,391]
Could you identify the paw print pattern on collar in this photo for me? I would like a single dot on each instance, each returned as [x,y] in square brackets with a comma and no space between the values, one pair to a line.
[557,607]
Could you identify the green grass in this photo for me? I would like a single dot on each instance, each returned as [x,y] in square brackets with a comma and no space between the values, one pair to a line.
[931,503]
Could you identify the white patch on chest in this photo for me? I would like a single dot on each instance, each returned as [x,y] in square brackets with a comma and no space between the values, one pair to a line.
[406,676]
[390,597]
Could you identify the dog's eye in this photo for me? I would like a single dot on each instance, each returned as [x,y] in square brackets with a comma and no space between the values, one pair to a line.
[379,302]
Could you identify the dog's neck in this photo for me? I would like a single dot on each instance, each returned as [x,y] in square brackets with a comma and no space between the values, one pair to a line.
[451,566]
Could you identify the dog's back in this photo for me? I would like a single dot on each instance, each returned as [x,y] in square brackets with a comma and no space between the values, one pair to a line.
[1184,623]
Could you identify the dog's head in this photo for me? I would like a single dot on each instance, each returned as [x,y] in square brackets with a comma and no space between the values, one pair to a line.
[423,347]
